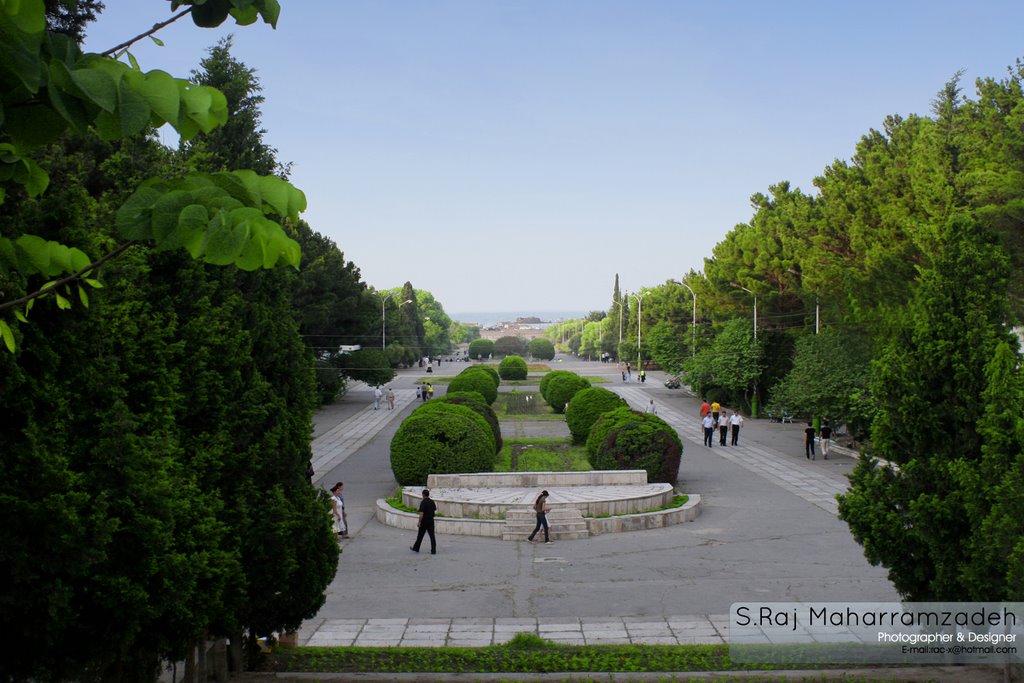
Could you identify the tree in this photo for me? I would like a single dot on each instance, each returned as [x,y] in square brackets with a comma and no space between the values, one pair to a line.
[929,383]
[829,378]
[220,218]
[731,364]
[510,346]
[666,346]
[541,348]
[367,365]
[481,349]
[239,142]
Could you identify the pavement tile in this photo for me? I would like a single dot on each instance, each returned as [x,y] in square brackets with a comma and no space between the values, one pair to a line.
[387,622]
[566,626]
[370,642]
[423,643]
[515,621]
[653,640]
[607,641]
[425,621]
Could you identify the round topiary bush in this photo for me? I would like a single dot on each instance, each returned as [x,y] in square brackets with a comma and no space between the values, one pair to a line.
[561,389]
[480,348]
[624,440]
[510,346]
[541,348]
[512,367]
[476,403]
[588,405]
[480,382]
[446,439]
[489,369]
[546,380]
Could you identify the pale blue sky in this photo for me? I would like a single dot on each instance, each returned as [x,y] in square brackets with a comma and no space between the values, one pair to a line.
[517,155]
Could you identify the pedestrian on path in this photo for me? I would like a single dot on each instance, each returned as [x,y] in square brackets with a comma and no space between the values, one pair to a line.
[826,438]
[419,392]
[715,408]
[377,394]
[723,429]
[651,408]
[705,408]
[423,393]
[426,524]
[430,390]
[735,421]
[391,399]
[643,376]
[541,508]
[809,441]
[338,510]
[709,429]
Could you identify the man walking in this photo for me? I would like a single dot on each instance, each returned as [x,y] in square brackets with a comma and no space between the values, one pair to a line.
[377,394]
[709,429]
[426,524]
[735,421]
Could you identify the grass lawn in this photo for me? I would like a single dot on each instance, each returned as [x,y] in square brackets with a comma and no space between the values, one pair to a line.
[541,455]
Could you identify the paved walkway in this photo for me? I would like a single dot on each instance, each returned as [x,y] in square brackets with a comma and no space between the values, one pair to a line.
[762,536]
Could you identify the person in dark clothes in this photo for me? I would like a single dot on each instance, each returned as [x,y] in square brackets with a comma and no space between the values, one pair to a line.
[809,434]
[826,438]
[426,524]
[540,507]
[723,429]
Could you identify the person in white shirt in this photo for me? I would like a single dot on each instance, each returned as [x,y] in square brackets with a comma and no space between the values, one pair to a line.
[377,393]
[735,421]
[709,429]
[651,409]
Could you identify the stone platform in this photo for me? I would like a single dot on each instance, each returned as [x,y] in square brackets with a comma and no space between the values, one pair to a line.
[500,505]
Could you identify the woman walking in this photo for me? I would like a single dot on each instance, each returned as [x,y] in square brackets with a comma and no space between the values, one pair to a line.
[541,508]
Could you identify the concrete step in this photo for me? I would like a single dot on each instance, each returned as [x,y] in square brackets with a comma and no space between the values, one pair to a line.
[563,524]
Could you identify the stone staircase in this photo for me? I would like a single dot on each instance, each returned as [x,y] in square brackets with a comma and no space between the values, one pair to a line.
[564,523]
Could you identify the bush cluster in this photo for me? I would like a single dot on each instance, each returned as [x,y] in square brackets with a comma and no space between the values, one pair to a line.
[625,440]
[480,348]
[586,407]
[478,379]
[512,367]
[541,348]
[441,438]
[546,380]
[510,346]
[560,389]
[476,403]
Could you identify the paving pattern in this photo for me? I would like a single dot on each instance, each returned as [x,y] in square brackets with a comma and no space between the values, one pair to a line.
[480,632]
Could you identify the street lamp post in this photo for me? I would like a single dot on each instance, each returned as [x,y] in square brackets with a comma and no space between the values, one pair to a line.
[384,318]
[753,399]
[639,319]
[693,346]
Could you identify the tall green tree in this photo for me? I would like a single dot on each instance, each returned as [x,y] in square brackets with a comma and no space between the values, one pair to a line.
[929,383]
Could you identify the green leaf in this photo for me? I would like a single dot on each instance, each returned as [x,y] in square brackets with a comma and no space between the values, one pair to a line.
[270,11]
[83,296]
[211,13]
[192,222]
[134,218]
[37,252]
[165,219]
[98,86]
[157,41]
[37,180]
[133,109]
[161,92]
[62,303]
[28,16]
[225,237]
[95,284]
[8,336]
[22,40]
[79,260]
[20,316]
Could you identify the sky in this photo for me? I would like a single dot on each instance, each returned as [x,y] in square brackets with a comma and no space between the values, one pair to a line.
[517,155]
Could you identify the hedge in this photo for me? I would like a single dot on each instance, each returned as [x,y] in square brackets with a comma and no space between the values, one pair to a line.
[480,348]
[624,440]
[546,380]
[489,369]
[586,407]
[541,348]
[512,367]
[479,381]
[445,439]
[562,388]
[473,401]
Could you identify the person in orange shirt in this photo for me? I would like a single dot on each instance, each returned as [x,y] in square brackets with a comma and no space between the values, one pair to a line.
[704,408]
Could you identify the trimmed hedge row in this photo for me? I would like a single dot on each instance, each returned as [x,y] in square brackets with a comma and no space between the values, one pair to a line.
[512,367]
[477,404]
[441,438]
[625,440]
[586,407]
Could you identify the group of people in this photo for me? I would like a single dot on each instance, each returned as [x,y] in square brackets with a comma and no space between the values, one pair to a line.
[424,392]
[823,436]
[713,419]
[389,397]
[627,374]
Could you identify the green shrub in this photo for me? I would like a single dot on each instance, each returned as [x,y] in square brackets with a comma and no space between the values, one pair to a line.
[588,405]
[445,439]
[489,369]
[475,402]
[545,381]
[512,367]
[481,348]
[624,440]
[480,382]
[561,389]
[541,348]
[510,346]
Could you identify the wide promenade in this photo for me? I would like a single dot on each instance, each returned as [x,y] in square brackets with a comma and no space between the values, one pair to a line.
[768,532]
